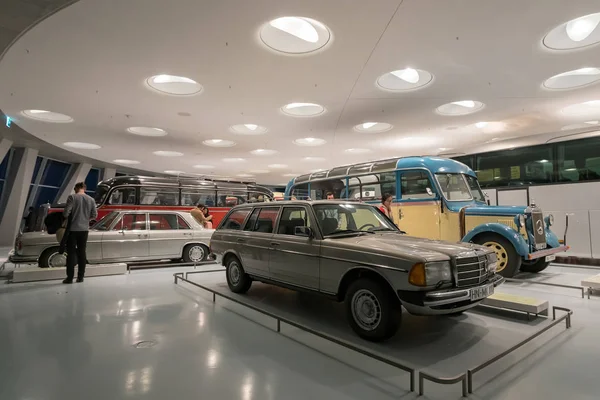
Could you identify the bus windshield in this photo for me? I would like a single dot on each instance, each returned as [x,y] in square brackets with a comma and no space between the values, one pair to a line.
[475,188]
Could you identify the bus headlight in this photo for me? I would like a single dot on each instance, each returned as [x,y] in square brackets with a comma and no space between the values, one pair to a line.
[520,220]
[549,220]
[429,274]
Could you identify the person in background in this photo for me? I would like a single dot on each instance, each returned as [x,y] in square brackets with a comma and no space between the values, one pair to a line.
[79,211]
[386,205]
[198,214]
[29,220]
[330,196]
[207,218]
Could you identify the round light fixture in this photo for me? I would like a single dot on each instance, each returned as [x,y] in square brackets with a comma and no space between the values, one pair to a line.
[310,142]
[125,162]
[574,34]
[203,166]
[461,107]
[233,160]
[303,109]
[573,79]
[404,79]
[174,172]
[245,175]
[174,85]
[82,145]
[481,124]
[167,153]
[290,175]
[47,116]
[295,35]
[147,131]
[373,127]
[277,166]
[584,125]
[357,151]
[586,109]
[248,129]
[263,152]
[313,159]
[219,143]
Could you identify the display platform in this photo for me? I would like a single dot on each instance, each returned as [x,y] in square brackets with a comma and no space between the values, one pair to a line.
[443,345]
[34,273]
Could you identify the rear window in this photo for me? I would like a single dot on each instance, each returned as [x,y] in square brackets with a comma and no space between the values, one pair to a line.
[235,220]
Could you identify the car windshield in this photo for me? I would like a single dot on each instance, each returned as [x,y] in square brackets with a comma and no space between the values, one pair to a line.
[100,194]
[351,219]
[105,223]
[454,187]
[475,189]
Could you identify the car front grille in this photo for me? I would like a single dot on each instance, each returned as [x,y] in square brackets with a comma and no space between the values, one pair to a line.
[471,270]
[539,233]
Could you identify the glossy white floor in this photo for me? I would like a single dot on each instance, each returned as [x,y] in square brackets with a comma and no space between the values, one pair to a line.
[79,341]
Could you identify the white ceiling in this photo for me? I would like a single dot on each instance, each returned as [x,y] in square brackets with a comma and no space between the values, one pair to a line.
[90,61]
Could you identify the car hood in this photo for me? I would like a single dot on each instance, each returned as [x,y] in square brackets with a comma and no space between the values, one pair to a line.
[407,246]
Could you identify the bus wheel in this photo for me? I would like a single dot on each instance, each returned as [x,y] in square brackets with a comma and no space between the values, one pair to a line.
[509,261]
[535,266]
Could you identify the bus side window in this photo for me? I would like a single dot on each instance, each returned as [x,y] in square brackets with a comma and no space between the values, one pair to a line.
[414,185]
[122,196]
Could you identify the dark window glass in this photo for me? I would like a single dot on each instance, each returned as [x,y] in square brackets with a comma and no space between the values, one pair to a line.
[388,183]
[291,217]
[523,166]
[266,220]
[230,199]
[414,184]
[91,181]
[252,220]
[55,174]
[181,224]
[38,162]
[159,196]
[191,197]
[45,195]
[162,222]
[120,174]
[236,219]
[319,190]
[579,160]
[100,194]
[122,196]
[4,165]
[300,192]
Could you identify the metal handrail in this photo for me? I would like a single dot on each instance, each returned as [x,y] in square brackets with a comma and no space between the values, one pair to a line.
[180,276]
[548,284]
[566,317]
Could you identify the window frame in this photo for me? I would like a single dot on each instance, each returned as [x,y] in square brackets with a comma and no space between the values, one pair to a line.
[230,213]
[309,221]
[432,180]
[275,223]
[120,221]
[163,215]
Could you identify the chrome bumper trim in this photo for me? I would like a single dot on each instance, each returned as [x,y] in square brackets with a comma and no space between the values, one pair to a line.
[457,295]
[547,252]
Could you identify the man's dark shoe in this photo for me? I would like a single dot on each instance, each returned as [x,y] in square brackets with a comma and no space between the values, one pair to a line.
[68,280]
[79,279]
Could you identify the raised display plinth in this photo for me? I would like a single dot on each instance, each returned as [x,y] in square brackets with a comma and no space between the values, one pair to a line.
[524,304]
[32,274]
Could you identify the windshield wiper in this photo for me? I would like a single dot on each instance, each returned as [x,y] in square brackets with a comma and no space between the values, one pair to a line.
[382,230]
[346,231]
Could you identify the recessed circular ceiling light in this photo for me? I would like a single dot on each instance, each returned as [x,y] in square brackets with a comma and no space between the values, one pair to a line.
[233,159]
[147,131]
[260,171]
[82,146]
[310,142]
[174,172]
[167,153]
[573,79]
[219,143]
[174,85]
[461,107]
[248,129]
[357,151]
[47,116]
[303,109]
[263,152]
[277,166]
[574,34]
[125,162]
[203,166]
[481,124]
[583,125]
[373,127]
[245,175]
[586,109]
[295,35]
[290,175]
[404,79]
[313,159]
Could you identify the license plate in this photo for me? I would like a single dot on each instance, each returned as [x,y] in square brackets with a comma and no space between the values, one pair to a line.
[550,258]
[482,292]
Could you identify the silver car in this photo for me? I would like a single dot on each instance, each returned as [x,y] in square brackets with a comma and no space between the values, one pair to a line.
[353,253]
[124,236]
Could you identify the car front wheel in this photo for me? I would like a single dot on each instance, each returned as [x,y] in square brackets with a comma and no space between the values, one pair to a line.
[51,258]
[237,279]
[370,310]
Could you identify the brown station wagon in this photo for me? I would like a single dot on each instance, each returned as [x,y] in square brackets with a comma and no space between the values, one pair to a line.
[353,253]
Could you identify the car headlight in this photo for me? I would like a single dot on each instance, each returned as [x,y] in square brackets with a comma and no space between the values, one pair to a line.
[429,274]
[492,262]
[549,220]
[520,220]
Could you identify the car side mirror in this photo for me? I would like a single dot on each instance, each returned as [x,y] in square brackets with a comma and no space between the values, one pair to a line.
[429,191]
[303,231]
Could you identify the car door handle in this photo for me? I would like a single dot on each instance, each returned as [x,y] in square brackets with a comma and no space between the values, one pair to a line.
[274,244]
[240,240]
[187,234]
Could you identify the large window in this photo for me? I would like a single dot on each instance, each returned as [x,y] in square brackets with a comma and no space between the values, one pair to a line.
[159,196]
[131,222]
[91,181]
[578,160]
[193,197]
[265,222]
[291,217]
[236,219]
[300,192]
[47,180]
[122,196]
[372,187]
[4,170]
[414,185]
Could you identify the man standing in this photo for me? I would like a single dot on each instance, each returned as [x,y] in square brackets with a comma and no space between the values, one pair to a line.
[80,209]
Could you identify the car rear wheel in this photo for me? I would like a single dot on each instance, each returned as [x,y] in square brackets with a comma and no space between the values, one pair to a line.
[509,261]
[535,266]
[50,258]
[195,253]
[370,310]
[237,279]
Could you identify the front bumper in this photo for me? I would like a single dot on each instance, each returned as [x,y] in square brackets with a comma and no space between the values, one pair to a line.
[16,259]
[441,302]
[547,252]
